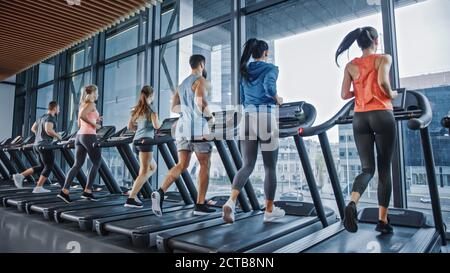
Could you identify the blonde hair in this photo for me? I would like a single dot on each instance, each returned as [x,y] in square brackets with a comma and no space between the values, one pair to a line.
[88,93]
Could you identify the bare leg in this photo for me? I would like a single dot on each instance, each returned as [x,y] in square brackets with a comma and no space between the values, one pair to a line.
[147,168]
[175,172]
[203,178]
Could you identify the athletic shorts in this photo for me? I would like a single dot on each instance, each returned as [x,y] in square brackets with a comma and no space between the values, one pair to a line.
[197,147]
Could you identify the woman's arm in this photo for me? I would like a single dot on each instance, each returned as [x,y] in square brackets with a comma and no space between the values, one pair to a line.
[383,75]
[347,84]
[155,121]
[270,83]
[83,115]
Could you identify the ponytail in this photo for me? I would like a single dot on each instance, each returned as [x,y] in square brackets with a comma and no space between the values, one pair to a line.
[88,94]
[142,108]
[364,36]
[253,48]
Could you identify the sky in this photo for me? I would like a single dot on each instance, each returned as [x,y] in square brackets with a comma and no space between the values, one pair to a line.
[306,61]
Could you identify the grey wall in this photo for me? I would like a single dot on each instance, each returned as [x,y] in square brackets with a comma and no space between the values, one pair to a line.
[6,109]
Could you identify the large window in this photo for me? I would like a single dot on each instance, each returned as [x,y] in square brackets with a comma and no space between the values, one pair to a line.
[46,71]
[123,82]
[119,42]
[215,45]
[44,96]
[182,14]
[81,57]
[75,85]
[303,36]
[424,65]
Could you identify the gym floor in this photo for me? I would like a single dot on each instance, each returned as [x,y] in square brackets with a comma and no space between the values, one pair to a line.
[21,233]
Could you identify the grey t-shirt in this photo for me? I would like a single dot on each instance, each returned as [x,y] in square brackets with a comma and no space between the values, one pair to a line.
[41,135]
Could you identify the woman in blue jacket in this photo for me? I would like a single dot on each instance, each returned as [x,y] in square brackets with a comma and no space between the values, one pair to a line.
[259,97]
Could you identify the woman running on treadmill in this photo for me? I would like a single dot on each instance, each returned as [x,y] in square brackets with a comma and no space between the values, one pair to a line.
[88,123]
[373,121]
[143,121]
[44,129]
[258,96]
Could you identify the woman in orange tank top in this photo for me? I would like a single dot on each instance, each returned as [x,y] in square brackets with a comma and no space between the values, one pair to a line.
[373,121]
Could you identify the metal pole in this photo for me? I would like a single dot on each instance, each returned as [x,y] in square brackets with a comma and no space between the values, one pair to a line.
[327,154]
[299,143]
[432,183]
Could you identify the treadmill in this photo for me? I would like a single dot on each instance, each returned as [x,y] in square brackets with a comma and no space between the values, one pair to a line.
[23,199]
[48,204]
[5,160]
[85,217]
[249,232]
[143,227]
[414,231]
[4,173]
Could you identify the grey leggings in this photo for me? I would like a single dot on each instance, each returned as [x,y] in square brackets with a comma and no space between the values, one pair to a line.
[84,145]
[249,150]
[369,128]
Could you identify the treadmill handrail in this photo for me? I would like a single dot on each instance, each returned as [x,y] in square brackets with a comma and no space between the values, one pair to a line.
[427,114]
[321,128]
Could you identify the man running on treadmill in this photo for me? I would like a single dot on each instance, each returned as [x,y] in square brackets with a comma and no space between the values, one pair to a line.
[190,101]
[44,129]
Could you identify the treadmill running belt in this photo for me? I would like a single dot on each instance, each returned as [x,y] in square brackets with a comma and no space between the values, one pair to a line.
[241,236]
[366,240]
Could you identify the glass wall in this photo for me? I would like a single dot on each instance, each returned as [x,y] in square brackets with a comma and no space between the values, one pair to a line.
[215,45]
[121,41]
[303,36]
[75,84]
[123,82]
[44,96]
[46,71]
[81,57]
[302,45]
[424,65]
[179,15]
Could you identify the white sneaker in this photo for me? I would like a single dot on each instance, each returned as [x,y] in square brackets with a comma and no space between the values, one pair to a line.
[156,203]
[40,190]
[18,180]
[276,213]
[228,211]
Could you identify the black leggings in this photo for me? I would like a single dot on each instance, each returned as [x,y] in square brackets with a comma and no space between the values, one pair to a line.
[84,145]
[46,161]
[369,128]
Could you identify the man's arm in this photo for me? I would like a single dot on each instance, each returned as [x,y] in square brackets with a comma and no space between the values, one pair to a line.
[34,128]
[201,98]
[50,131]
[176,103]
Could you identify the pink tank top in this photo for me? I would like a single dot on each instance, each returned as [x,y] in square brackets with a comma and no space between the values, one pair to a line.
[86,128]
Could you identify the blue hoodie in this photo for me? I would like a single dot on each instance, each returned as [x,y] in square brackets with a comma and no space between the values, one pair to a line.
[261,85]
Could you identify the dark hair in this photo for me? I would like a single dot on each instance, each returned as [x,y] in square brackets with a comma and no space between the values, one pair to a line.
[52,105]
[364,36]
[253,48]
[196,60]
[142,108]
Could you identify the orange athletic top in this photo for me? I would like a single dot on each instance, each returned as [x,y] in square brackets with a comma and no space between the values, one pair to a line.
[86,128]
[369,96]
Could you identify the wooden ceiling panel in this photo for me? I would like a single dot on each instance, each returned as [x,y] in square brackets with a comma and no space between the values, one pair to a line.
[35,30]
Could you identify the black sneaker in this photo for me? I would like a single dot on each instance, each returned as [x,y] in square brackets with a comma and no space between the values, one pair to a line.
[133,203]
[157,202]
[203,209]
[88,196]
[384,228]
[351,218]
[64,197]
